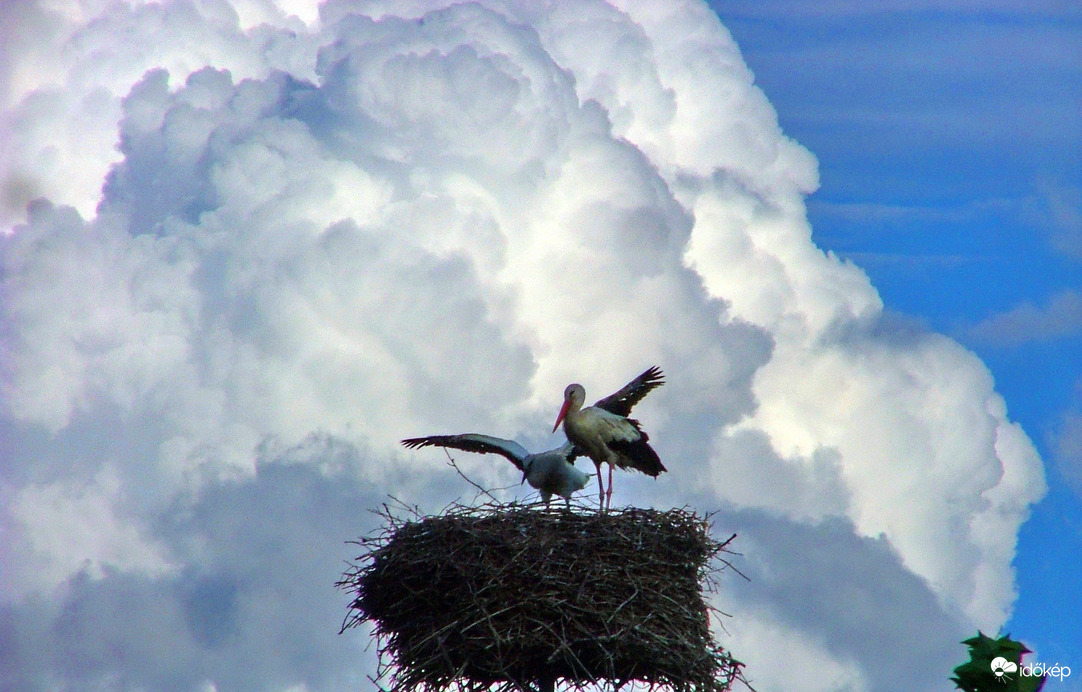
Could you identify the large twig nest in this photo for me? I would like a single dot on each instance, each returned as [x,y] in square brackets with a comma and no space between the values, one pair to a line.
[501,596]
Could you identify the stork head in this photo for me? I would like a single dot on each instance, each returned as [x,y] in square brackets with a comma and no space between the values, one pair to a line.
[574,395]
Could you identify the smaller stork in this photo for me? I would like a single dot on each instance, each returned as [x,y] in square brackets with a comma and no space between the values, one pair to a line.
[605,433]
[549,472]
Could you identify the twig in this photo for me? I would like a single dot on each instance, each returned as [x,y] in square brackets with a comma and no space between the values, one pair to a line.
[453,464]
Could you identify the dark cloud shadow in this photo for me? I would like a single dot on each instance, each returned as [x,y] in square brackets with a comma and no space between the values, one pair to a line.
[848,592]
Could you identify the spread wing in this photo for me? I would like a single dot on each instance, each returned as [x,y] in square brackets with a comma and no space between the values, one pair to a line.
[623,401]
[474,442]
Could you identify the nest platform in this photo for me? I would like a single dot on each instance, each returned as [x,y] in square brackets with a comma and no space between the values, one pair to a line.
[517,597]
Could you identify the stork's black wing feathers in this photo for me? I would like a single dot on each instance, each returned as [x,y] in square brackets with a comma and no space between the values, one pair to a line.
[623,401]
[638,454]
[474,442]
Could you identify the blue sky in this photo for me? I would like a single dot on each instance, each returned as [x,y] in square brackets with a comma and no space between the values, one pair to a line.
[248,246]
[950,157]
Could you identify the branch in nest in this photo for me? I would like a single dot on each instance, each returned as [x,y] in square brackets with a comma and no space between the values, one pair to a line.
[480,490]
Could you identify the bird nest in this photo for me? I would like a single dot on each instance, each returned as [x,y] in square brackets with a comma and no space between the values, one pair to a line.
[511,597]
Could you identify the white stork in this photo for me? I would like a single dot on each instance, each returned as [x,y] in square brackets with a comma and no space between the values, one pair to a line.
[605,433]
[549,472]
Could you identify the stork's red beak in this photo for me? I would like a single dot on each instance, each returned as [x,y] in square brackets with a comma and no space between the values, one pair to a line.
[563,412]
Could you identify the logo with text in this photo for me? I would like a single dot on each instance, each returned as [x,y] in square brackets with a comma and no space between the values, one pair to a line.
[1004,670]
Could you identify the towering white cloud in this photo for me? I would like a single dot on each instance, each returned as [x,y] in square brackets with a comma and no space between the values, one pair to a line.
[318,236]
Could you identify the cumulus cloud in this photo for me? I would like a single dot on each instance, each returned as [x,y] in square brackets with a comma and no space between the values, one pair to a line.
[67,73]
[252,608]
[72,528]
[318,235]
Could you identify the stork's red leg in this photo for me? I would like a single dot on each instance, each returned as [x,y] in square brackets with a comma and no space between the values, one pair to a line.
[608,501]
